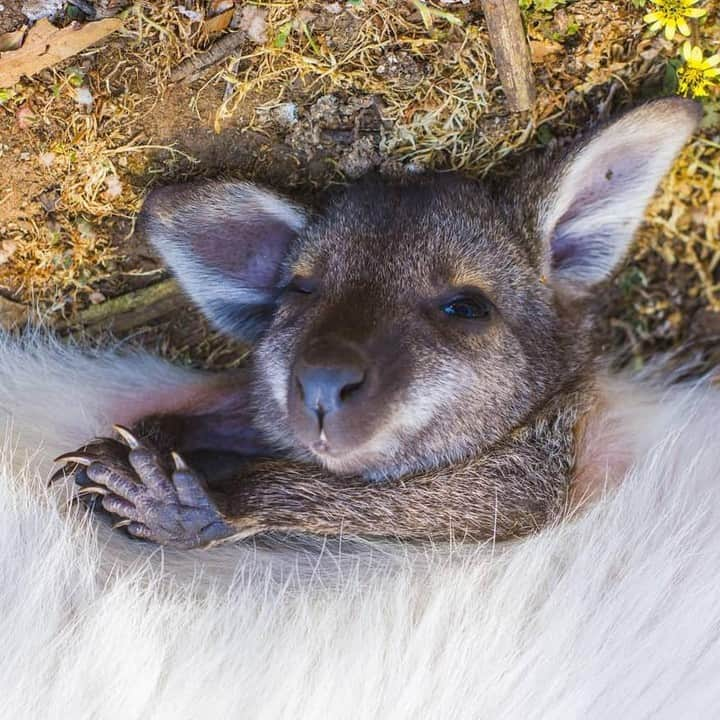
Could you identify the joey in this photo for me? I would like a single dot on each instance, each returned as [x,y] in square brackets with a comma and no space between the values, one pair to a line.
[424,364]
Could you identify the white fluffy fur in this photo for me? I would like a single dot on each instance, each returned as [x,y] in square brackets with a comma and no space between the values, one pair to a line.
[614,615]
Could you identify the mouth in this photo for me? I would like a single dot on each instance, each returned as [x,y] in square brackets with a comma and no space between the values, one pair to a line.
[321,446]
[346,459]
[323,435]
[335,455]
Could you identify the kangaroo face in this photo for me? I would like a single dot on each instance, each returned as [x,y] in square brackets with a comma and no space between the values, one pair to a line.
[410,325]
[413,326]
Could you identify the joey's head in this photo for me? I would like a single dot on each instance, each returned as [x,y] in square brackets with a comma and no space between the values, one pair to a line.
[410,325]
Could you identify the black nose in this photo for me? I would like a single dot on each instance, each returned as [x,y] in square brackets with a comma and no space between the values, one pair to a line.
[326,380]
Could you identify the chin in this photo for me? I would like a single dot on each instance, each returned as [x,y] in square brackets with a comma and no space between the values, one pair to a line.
[373,456]
[353,462]
[362,459]
[371,461]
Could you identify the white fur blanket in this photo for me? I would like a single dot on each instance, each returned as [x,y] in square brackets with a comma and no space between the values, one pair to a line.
[615,615]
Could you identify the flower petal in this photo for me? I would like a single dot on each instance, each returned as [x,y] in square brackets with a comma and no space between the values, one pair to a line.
[683,27]
[652,17]
[688,3]
[656,26]
[696,56]
[687,51]
[713,60]
[670,29]
[694,12]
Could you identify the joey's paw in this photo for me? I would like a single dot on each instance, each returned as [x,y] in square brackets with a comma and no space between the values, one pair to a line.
[159,500]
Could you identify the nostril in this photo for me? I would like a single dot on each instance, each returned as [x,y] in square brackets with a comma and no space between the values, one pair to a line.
[325,388]
[350,389]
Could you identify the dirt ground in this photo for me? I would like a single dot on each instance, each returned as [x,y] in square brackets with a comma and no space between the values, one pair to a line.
[315,94]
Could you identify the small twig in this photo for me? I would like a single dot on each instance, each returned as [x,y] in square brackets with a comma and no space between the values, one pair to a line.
[193,67]
[130,310]
[141,148]
[511,51]
[605,106]
[86,7]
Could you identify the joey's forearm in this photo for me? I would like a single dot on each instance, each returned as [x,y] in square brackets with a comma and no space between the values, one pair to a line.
[510,490]
[502,494]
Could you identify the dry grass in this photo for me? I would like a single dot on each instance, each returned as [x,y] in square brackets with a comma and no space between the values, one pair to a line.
[440,94]
[684,221]
[92,167]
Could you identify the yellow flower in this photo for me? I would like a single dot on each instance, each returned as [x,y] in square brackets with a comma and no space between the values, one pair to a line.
[699,74]
[672,15]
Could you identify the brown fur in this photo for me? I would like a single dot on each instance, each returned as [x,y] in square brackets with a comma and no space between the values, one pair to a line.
[460,428]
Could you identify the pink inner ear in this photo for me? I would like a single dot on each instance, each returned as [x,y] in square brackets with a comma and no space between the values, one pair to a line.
[248,251]
[566,252]
[601,211]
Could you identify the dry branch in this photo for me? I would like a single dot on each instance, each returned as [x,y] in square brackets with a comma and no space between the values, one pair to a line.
[512,55]
[131,310]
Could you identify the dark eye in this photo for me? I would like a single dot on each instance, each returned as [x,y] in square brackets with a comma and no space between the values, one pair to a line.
[302,285]
[468,308]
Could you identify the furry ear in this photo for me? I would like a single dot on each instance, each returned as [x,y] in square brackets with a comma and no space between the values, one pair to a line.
[602,190]
[225,242]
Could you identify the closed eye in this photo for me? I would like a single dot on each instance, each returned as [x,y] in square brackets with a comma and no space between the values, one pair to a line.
[302,285]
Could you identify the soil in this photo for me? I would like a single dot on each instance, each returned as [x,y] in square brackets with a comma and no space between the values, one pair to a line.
[10,16]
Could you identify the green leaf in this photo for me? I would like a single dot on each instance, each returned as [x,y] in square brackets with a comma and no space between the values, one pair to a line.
[75,76]
[548,5]
[544,134]
[541,6]
[711,116]
[573,28]
[670,79]
[283,34]
[632,278]
[310,39]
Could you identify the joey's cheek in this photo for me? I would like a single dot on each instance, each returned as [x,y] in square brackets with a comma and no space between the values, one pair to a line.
[272,361]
